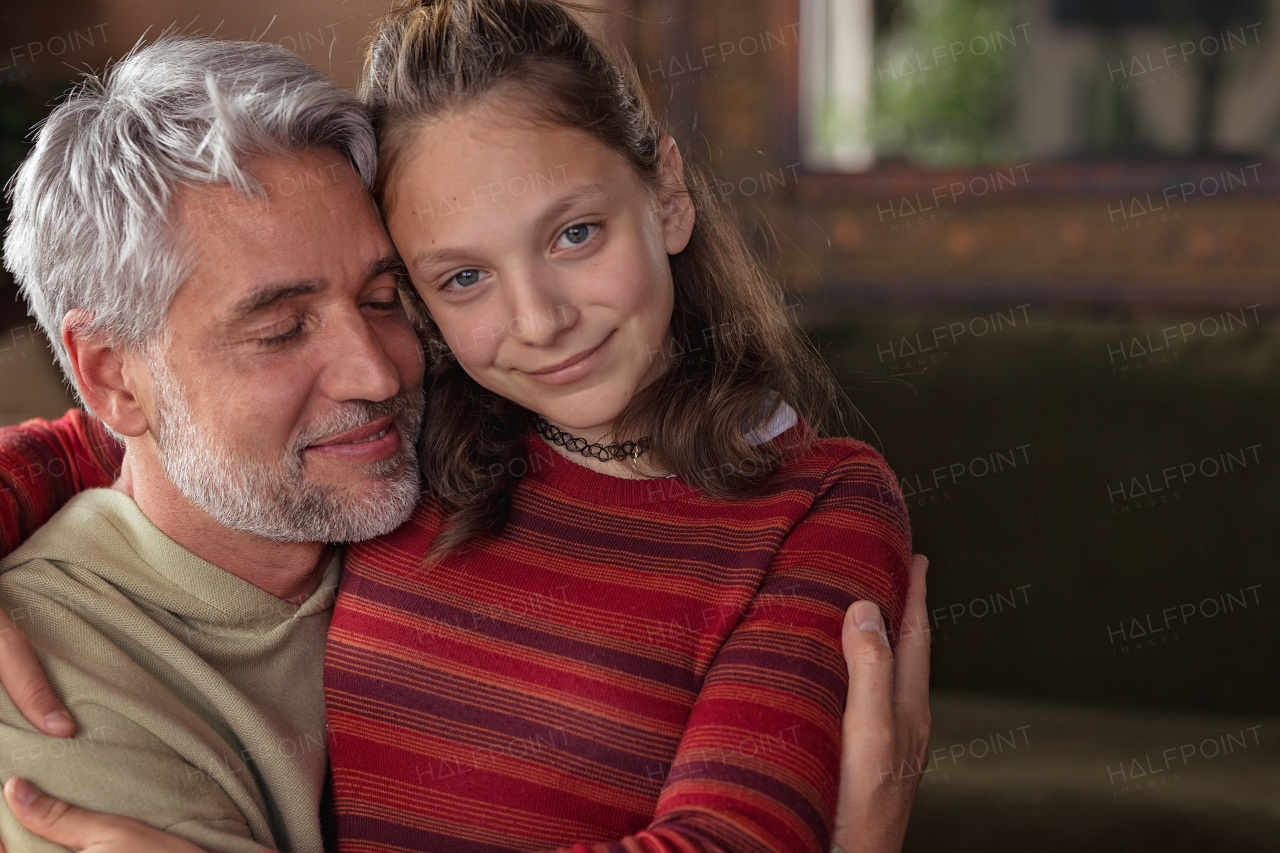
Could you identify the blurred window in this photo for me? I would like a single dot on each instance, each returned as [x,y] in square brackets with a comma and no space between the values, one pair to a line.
[946,83]
[836,38]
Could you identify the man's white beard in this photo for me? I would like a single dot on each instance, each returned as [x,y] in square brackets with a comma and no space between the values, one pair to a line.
[275,500]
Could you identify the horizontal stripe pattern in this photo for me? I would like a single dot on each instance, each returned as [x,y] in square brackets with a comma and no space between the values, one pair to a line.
[626,668]
[44,463]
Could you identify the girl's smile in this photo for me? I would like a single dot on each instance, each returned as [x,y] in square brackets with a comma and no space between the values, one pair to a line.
[575,368]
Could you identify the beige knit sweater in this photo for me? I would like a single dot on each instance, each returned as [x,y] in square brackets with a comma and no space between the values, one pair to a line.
[198,696]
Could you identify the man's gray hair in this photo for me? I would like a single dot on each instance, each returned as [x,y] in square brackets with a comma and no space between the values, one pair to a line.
[93,225]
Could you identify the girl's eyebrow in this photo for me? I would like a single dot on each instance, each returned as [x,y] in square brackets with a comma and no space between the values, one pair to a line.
[558,207]
[428,258]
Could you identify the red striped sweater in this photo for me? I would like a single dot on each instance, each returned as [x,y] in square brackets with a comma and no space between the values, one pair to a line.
[43,463]
[631,666]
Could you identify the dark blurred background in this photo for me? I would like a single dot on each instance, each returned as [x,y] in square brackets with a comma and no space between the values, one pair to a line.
[1039,241]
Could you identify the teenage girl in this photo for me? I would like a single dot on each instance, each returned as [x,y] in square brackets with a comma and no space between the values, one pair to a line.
[617,618]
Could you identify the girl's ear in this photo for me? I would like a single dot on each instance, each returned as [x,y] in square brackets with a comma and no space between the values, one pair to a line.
[677,205]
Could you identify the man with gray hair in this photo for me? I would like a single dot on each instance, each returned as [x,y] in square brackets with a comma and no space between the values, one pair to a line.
[195,234]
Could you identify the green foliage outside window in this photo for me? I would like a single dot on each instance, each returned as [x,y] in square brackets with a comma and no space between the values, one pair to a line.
[944,80]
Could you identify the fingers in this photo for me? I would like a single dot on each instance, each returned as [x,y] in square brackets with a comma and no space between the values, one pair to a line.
[914,643]
[81,829]
[23,678]
[870,663]
[870,816]
[886,723]
[43,815]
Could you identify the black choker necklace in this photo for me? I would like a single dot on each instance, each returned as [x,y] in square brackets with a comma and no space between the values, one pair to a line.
[632,450]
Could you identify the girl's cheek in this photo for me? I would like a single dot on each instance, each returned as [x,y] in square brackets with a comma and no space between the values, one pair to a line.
[473,339]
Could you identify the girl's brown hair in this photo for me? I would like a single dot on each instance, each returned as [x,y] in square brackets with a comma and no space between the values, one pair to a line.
[736,355]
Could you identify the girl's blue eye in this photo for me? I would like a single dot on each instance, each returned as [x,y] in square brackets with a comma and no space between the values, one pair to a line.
[466,278]
[576,235]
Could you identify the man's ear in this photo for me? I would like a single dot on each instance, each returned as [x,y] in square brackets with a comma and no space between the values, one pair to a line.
[105,375]
[677,205]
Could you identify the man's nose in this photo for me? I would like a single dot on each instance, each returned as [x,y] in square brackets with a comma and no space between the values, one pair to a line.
[359,366]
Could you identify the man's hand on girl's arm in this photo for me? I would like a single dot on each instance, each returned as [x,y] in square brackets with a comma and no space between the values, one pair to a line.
[885,733]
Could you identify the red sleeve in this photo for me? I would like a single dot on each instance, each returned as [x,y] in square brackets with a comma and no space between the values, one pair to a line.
[43,463]
[758,767]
